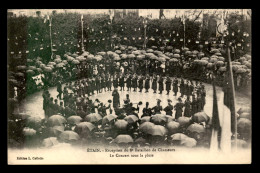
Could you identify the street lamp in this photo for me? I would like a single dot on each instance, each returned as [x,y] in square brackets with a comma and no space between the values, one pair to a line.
[145,25]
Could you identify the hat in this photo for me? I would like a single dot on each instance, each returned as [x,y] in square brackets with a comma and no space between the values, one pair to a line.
[109,101]
[179,99]
[169,100]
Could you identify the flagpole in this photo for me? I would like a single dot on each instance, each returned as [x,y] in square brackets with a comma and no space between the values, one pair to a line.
[51,38]
[233,100]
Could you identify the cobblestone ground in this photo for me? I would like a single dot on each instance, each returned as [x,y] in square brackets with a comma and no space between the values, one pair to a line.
[33,103]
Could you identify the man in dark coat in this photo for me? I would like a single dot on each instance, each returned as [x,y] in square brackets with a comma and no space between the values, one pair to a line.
[122,83]
[158,108]
[129,82]
[182,87]
[59,90]
[134,82]
[191,88]
[141,83]
[147,111]
[109,83]
[115,81]
[160,84]
[147,83]
[187,110]
[175,86]
[178,107]
[116,98]
[168,85]
[154,84]
[194,105]
[168,109]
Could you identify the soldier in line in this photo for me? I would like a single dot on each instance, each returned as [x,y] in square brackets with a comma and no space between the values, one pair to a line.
[129,82]
[160,84]
[154,84]
[175,86]
[178,107]
[168,109]
[140,83]
[168,84]
[115,81]
[187,105]
[134,82]
[147,111]
[147,83]
[158,108]
[122,82]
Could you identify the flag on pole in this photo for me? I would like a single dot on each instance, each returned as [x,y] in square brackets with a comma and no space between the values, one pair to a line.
[215,122]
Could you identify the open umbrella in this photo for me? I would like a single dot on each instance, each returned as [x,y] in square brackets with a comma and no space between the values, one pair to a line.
[75,62]
[183,121]
[178,137]
[47,69]
[28,131]
[140,140]
[74,119]
[173,127]
[245,115]
[169,118]
[108,118]
[145,119]
[146,127]
[131,119]
[196,128]
[117,58]
[49,142]
[244,109]
[84,128]
[123,139]
[188,142]
[68,136]
[55,130]
[243,125]
[158,119]
[93,117]
[176,55]
[158,130]
[33,122]
[56,120]
[121,124]
[173,60]
[30,72]
[19,74]
[201,117]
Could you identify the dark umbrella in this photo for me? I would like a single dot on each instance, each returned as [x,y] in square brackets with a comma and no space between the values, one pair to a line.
[146,127]
[84,128]
[188,142]
[158,130]
[131,119]
[243,125]
[173,127]
[55,130]
[69,136]
[140,140]
[158,119]
[108,118]
[49,142]
[196,128]
[178,137]
[33,122]
[170,118]
[93,117]
[56,120]
[145,119]
[74,119]
[201,117]
[123,139]
[121,124]
[183,121]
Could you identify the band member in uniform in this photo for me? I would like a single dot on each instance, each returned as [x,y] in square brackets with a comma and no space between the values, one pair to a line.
[187,110]
[160,84]
[147,111]
[175,86]
[115,81]
[154,84]
[116,98]
[147,83]
[109,83]
[182,87]
[129,82]
[168,109]
[134,82]
[178,107]
[158,108]
[168,84]
[140,83]
[122,82]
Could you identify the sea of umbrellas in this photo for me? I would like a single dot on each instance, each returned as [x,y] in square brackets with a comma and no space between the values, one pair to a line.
[73,62]
[26,131]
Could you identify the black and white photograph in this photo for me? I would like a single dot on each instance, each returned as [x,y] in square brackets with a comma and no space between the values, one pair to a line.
[129,86]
